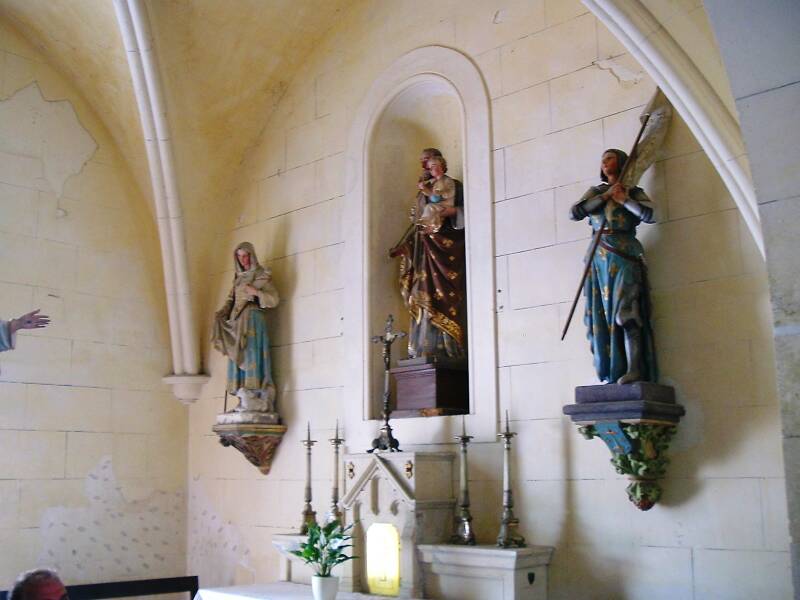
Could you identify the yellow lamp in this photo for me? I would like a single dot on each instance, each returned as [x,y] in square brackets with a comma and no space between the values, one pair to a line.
[383,559]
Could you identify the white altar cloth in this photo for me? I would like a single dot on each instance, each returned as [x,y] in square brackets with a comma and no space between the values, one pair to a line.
[281,590]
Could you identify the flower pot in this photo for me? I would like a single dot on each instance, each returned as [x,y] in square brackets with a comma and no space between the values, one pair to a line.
[324,588]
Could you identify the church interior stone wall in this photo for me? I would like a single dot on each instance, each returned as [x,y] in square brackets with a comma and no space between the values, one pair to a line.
[93,461]
[553,112]
[87,427]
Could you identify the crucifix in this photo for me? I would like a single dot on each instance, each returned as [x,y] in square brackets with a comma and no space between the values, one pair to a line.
[385,440]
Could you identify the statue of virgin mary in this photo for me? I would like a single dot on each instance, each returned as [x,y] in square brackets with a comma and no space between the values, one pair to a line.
[240,332]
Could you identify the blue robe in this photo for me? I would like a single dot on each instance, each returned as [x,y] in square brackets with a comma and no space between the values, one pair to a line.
[240,327]
[255,370]
[7,339]
[616,289]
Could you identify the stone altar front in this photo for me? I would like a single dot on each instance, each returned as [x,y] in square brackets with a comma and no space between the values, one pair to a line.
[414,493]
[483,572]
[411,491]
[282,590]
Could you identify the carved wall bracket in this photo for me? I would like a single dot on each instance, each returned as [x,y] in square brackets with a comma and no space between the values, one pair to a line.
[256,441]
[641,456]
[636,421]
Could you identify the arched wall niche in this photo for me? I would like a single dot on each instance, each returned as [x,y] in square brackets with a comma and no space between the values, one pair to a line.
[449,80]
[426,113]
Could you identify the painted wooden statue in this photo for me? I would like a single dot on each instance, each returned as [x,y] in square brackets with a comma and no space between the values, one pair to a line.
[240,332]
[433,265]
[617,296]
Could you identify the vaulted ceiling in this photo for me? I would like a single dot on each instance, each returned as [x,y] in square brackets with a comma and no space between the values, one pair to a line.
[224,66]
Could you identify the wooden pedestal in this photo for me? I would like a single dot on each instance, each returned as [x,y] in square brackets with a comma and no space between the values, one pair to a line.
[427,389]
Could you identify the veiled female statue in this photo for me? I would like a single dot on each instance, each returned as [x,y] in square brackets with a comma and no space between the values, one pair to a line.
[617,294]
[433,265]
[240,332]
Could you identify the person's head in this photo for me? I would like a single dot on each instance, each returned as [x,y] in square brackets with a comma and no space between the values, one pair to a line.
[611,163]
[437,166]
[39,584]
[426,155]
[244,257]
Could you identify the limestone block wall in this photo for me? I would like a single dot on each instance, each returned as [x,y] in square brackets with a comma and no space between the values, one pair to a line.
[721,529]
[762,97]
[93,447]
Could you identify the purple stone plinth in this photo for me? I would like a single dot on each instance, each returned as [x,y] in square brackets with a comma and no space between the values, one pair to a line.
[630,402]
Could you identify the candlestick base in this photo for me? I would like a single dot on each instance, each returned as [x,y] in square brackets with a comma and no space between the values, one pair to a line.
[509,537]
[464,534]
[309,518]
[385,440]
[334,515]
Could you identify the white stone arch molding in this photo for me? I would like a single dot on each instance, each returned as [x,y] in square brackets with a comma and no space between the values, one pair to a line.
[707,116]
[448,66]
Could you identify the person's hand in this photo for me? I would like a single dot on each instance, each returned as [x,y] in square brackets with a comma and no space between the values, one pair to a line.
[31,320]
[250,290]
[618,193]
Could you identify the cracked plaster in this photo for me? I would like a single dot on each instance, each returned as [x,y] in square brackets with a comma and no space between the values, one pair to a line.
[47,133]
[626,77]
[112,537]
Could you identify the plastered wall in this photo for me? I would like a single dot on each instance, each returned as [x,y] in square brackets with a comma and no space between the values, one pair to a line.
[720,530]
[93,447]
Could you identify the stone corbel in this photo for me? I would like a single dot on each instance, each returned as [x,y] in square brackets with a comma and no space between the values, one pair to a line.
[638,451]
[636,421]
[186,388]
[257,441]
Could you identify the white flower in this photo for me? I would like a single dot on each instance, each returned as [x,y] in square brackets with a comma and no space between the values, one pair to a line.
[336,543]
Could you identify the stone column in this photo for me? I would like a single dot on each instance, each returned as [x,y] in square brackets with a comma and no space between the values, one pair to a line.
[764,74]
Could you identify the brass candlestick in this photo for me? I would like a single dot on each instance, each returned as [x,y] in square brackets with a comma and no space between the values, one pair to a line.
[334,514]
[309,516]
[464,533]
[508,537]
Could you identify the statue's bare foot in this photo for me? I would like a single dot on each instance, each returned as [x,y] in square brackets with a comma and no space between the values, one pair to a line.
[631,377]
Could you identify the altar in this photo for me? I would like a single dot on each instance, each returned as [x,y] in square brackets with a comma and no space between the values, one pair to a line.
[281,590]
[412,495]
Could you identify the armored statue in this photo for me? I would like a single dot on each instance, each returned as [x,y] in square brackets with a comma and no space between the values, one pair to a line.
[616,290]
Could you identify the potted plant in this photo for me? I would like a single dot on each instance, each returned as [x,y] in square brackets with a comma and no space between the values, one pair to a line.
[324,549]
